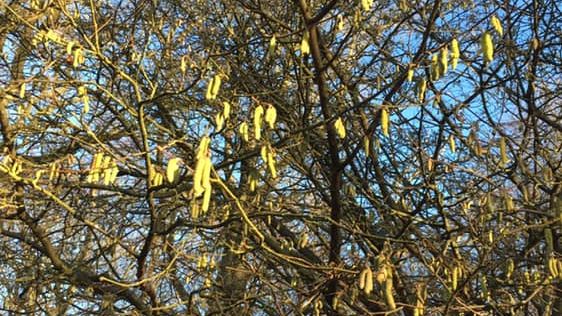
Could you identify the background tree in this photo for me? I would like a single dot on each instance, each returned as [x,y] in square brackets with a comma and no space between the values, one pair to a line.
[280,158]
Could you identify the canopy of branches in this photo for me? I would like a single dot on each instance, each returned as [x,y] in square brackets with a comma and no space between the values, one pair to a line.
[269,157]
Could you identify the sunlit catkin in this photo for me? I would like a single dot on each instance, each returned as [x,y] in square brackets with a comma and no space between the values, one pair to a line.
[388,295]
[384,121]
[497,25]
[503,152]
[455,53]
[422,85]
[487,47]
[258,114]
[443,61]
[305,47]
[271,116]
[206,199]
[452,144]
[340,128]
[368,281]
[243,129]
[271,164]
[410,75]
[172,170]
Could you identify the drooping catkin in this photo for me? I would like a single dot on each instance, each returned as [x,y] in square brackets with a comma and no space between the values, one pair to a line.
[271,116]
[422,85]
[503,152]
[384,121]
[368,281]
[452,144]
[455,53]
[305,47]
[243,129]
[340,128]
[443,61]
[388,295]
[258,114]
[497,25]
[487,47]
[172,170]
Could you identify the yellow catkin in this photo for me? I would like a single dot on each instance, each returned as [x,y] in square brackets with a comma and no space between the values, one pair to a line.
[271,164]
[206,176]
[203,148]
[452,144]
[77,57]
[183,65]
[366,145]
[384,121]
[253,183]
[434,70]
[206,199]
[216,86]
[151,175]
[362,279]
[219,121]
[213,88]
[366,4]
[226,110]
[172,170]
[107,175]
[487,47]
[422,85]
[420,301]
[96,166]
[444,60]
[258,114]
[114,171]
[22,91]
[271,116]
[410,75]
[208,93]
[69,47]
[263,153]
[388,295]
[197,176]
[105,169]
[272,45]
[455,278]
[340,23]
[503,152]
[305,47]
[552,267]
[340,128]
[201,176]
[497,25]
[368,281]
[158,179]
[455,53]
[195,210]
[243,129]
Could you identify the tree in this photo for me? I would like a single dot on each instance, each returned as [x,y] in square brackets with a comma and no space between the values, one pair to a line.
[280,158]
